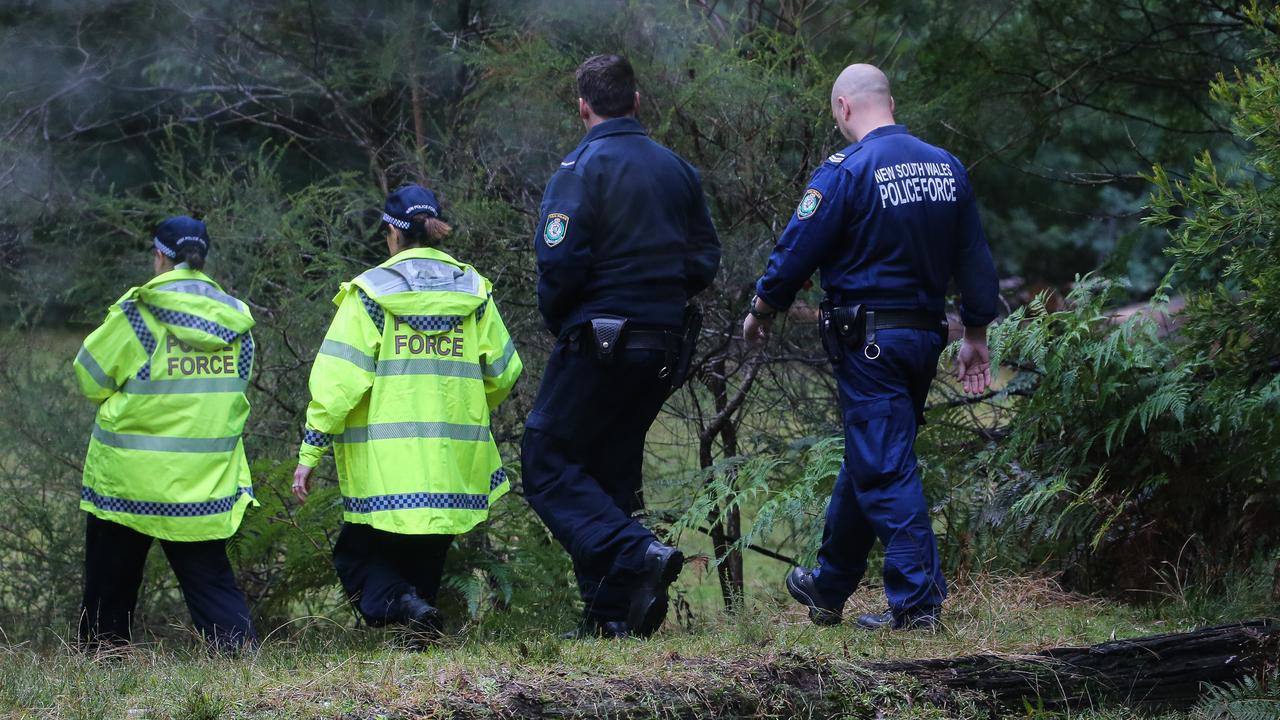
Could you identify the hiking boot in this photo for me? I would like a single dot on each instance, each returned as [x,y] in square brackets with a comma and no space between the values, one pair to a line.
[423,621]
[662,565]
[918,619]
[802,587]
[598,628]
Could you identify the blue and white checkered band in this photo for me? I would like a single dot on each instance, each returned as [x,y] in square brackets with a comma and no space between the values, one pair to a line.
[195,322]
[140,329]
[498,477]
[315,438]
[415,501]
[402,224]
[244,365]
[432,323]
[163,509]
[164,250]
[374,310]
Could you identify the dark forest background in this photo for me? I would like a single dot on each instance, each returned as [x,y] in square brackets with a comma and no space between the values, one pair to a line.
[1123,153]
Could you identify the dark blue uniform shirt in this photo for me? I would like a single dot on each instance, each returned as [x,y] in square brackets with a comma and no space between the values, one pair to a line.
[624,231]
[889,221]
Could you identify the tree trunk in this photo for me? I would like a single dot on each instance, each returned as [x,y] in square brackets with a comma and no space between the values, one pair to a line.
[726,524]
[1160,672]
[1157,671]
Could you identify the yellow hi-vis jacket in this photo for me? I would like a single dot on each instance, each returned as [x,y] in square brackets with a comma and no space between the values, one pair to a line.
[416,359]
[169,368]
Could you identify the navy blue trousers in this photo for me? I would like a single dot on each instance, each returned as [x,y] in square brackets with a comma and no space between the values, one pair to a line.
[581,465]
[114,559]
[376,567]
[878,494]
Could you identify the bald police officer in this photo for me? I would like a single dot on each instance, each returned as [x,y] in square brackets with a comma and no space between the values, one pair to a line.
[624,240]
[888,221]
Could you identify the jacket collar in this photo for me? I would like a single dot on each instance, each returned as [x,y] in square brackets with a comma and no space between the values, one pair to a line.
[615,126]
[180,274]
[884,130]
[421,253]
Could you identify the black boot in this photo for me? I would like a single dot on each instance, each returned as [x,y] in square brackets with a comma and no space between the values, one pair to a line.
[802,587]
[591,627]
[424,622]
[662,565]
[917,619]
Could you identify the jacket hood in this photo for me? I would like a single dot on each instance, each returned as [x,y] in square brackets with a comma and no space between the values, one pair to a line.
[424,287]
[195,309]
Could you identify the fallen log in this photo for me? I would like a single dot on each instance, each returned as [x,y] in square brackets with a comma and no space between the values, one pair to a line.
[1169,671]
[1159,671]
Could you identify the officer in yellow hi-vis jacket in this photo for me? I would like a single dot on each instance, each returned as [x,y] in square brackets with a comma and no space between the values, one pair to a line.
[416,359]
[168,368]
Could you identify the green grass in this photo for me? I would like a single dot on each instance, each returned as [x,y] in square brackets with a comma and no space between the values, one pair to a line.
[325,671]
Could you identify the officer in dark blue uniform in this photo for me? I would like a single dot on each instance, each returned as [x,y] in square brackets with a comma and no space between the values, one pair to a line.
[888,221]
[623,242]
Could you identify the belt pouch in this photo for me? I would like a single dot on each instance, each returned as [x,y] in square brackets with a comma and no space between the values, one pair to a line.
[606,333]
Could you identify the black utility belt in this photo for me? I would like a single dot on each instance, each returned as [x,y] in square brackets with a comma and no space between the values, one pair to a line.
[604,336]
[856,325]
[601,337]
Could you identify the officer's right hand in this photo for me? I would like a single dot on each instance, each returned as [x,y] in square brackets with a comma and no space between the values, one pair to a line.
[973,364]
[754,330]
[302,482]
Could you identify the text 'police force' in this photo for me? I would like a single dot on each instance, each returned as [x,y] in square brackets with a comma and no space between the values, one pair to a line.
[913,182]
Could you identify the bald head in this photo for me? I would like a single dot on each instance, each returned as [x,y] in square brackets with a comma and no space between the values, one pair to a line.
[860,101]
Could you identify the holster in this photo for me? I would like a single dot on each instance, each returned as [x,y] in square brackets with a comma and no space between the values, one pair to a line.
[690,329]
[836,325]
[606,335]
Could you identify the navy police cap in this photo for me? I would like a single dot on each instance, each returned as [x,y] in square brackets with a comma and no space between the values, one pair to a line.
[408,201]
[175,232]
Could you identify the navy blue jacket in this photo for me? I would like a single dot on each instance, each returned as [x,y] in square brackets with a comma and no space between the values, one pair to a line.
[624,231]
[888,221]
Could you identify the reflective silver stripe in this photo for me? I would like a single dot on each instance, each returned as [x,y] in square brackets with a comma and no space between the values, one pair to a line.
[350,353]
[429,366]
[164,443]
[421,275]
[202,288]
[95,370]
[185,386]
[500,365]
[393,431]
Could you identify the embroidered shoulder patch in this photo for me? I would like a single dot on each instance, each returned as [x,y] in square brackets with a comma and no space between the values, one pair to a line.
[809,204]
[557,227]
[836,158]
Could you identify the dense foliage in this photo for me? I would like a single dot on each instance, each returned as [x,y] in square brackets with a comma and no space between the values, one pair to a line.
[282,124]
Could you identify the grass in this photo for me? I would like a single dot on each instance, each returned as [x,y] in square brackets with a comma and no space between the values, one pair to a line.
[750,665]
[746,666]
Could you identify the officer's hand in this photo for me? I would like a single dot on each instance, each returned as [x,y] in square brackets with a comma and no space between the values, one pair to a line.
[973,366]
[754,330]
[302,482]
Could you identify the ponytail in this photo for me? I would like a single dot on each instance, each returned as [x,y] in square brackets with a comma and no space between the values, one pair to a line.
[192,253]
[425,230]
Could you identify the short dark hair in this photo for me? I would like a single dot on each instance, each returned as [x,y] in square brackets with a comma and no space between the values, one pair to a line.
[608,84]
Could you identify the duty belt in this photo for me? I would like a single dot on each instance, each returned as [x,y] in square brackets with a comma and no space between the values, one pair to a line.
[604,338]
[856,326]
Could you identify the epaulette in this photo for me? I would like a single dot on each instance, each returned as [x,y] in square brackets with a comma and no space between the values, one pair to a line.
[571,160]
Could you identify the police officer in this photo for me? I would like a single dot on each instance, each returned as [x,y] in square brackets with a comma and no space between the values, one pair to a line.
[416,359]
[168,369]
[623,242]
[888,221]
